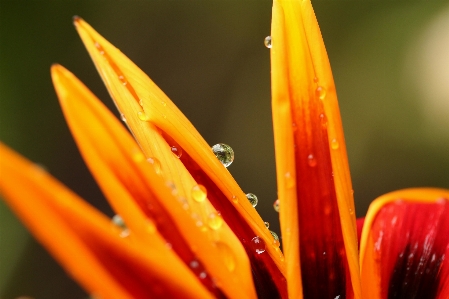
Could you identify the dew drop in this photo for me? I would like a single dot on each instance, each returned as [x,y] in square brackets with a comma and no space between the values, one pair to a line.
[258,245]
[267,42]
[122,117]
[311,160]
[235,199]
[99,48]
[122,79]
[118,220]
[214,221]
[199,193]
[323,120]
[224,153]
[176,150]
[321,92]
[276,205]
[351,211]
[334,144]
[276,238]
[289,180]
[252,199]
[267,224]
[315,79]
[163,103]
[141,103]
[227,255]
[143,116]
[156,164]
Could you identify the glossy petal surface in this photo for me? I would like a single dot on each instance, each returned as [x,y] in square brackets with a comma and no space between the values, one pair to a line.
[317,209]
[405,246]
[87,244]
[164,133]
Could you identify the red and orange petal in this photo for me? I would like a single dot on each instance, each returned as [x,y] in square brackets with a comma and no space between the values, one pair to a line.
[405,245]
[142,197]
[87,244]
[318,226]
[159,127]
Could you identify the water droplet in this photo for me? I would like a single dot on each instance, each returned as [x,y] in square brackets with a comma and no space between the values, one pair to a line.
[235,199]
[224,153]
[311,160]
[334,144]
[143,116]
[176,150]
[163,103]
[267,224]
[122,79]
[227,255]
[276,205]
[99,48]
[321,92]
[122,117]
[252,199]
[267,42]
[315,79]
[118,220]
[199,193]
[351,211]
[289,180]
[258,245]
[323,120]
[276,238]
[156,164]
[214,221]
[141,103]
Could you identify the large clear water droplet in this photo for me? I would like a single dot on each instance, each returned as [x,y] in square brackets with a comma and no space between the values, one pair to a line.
[224,153]
[267,42]
[252,199]
[199,193]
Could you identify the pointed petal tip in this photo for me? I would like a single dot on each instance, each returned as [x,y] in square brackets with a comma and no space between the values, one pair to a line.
[76,19]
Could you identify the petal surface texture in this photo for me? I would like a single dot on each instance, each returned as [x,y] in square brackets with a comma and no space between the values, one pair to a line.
[182,157]
[314,186]
[87,244]
[145,200]
[405,246]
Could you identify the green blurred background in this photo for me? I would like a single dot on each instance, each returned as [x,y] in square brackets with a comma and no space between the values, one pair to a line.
[390,61]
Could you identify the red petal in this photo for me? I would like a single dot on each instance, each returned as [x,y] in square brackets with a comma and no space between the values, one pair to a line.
[405,245]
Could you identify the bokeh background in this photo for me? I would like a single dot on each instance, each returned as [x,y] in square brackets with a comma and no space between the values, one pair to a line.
[390,61]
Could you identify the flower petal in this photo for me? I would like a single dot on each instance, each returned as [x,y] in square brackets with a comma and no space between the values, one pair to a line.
[314,185]
[405,245]
[86,243]
[160,128]
[139,195]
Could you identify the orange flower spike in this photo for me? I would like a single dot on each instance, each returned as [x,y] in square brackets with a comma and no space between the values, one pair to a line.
[405,245]
[162,131]
[87,244]
[138,194]
[314,185]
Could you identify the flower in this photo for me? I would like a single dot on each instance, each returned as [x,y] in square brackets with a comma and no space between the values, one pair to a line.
[189,230]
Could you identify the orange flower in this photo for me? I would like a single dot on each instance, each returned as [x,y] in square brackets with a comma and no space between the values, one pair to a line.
[189,230]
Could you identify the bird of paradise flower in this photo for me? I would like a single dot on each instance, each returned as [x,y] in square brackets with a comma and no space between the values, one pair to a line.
[190,231]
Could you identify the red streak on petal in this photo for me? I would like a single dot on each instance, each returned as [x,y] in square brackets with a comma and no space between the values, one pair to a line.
[269,281]
[322,253]
[411,248]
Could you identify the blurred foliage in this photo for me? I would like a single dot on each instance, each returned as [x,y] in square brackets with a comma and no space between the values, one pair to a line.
[208,56]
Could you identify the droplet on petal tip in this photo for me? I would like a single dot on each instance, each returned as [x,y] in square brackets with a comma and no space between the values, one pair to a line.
[267,42]
[252,199]
[224,153]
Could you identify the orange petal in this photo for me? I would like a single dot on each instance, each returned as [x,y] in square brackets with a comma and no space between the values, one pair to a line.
[161,128]
[314,185]
[405,245]
[87,244]
[136,192]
